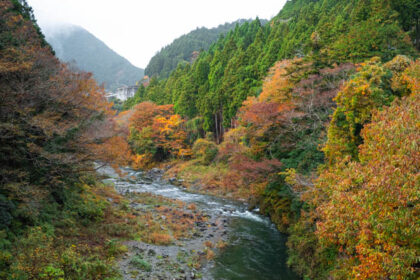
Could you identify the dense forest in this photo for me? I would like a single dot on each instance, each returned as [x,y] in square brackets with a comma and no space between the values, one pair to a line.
[186,48]
[217,83]
[313,118]
[54,124]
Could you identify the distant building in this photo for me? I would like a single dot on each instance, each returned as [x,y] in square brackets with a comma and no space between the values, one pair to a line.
[123,93]
[145,81]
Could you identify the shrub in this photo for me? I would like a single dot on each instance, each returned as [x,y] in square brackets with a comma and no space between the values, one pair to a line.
[50,272]
[160,238]
[205,151]
[140,263]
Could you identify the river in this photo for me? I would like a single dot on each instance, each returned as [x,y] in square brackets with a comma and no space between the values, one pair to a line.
[256,248]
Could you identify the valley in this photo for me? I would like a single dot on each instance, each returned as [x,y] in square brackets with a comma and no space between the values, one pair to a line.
[285,148]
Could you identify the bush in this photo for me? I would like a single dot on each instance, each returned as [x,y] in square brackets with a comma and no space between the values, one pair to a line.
[51,272]
[160,238]
[205,151]
[140,263]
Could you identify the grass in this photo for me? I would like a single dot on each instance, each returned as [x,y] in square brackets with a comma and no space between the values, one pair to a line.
[161,238]
[138,262]
[221,244]
[192,260]
[209,254]
[208,179]
[83,239]
[162,221]
[208,244]
[79,239]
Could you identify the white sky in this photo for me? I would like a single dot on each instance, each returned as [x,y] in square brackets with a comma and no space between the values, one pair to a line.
[137,29]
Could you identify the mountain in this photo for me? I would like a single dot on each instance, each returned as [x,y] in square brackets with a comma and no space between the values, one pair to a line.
[327,32]
[186,48]
[315,116]
[74,44]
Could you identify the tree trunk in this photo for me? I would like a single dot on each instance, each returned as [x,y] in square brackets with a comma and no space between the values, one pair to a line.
[216,128]
[417,34]
[221,132]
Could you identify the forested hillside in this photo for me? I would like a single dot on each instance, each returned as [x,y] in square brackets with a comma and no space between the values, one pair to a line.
[77,46]
[186,48]
[217,83]
[312,118]
[54,123]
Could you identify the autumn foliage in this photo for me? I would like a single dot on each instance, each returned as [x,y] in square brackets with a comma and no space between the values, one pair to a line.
[55,124]
[269,108]
[156,133]
[296,100]
[361,217]
[375,85]
[370,214]
[328,149]
[49,115]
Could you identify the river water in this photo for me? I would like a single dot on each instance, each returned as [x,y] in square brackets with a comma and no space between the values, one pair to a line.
[256,248]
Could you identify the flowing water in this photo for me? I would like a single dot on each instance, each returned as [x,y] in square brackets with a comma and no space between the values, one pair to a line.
[256,248]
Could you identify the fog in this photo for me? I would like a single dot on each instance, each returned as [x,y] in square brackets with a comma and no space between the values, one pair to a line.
[138,29]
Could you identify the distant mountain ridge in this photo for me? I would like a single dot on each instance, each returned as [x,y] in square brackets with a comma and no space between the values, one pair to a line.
[185,48]
[74,44]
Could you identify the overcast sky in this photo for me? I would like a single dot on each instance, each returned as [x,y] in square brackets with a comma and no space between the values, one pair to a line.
[137,29]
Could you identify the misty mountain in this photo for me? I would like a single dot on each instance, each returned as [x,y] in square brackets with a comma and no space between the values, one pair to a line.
[186,48]
[77,46]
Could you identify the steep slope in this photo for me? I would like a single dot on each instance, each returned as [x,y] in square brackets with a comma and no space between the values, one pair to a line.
[349,30]
[326,32]
[50,136]
[75,44]
[341,62]
[183,48]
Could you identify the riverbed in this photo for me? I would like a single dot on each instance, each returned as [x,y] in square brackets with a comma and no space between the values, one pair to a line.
[255,250]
